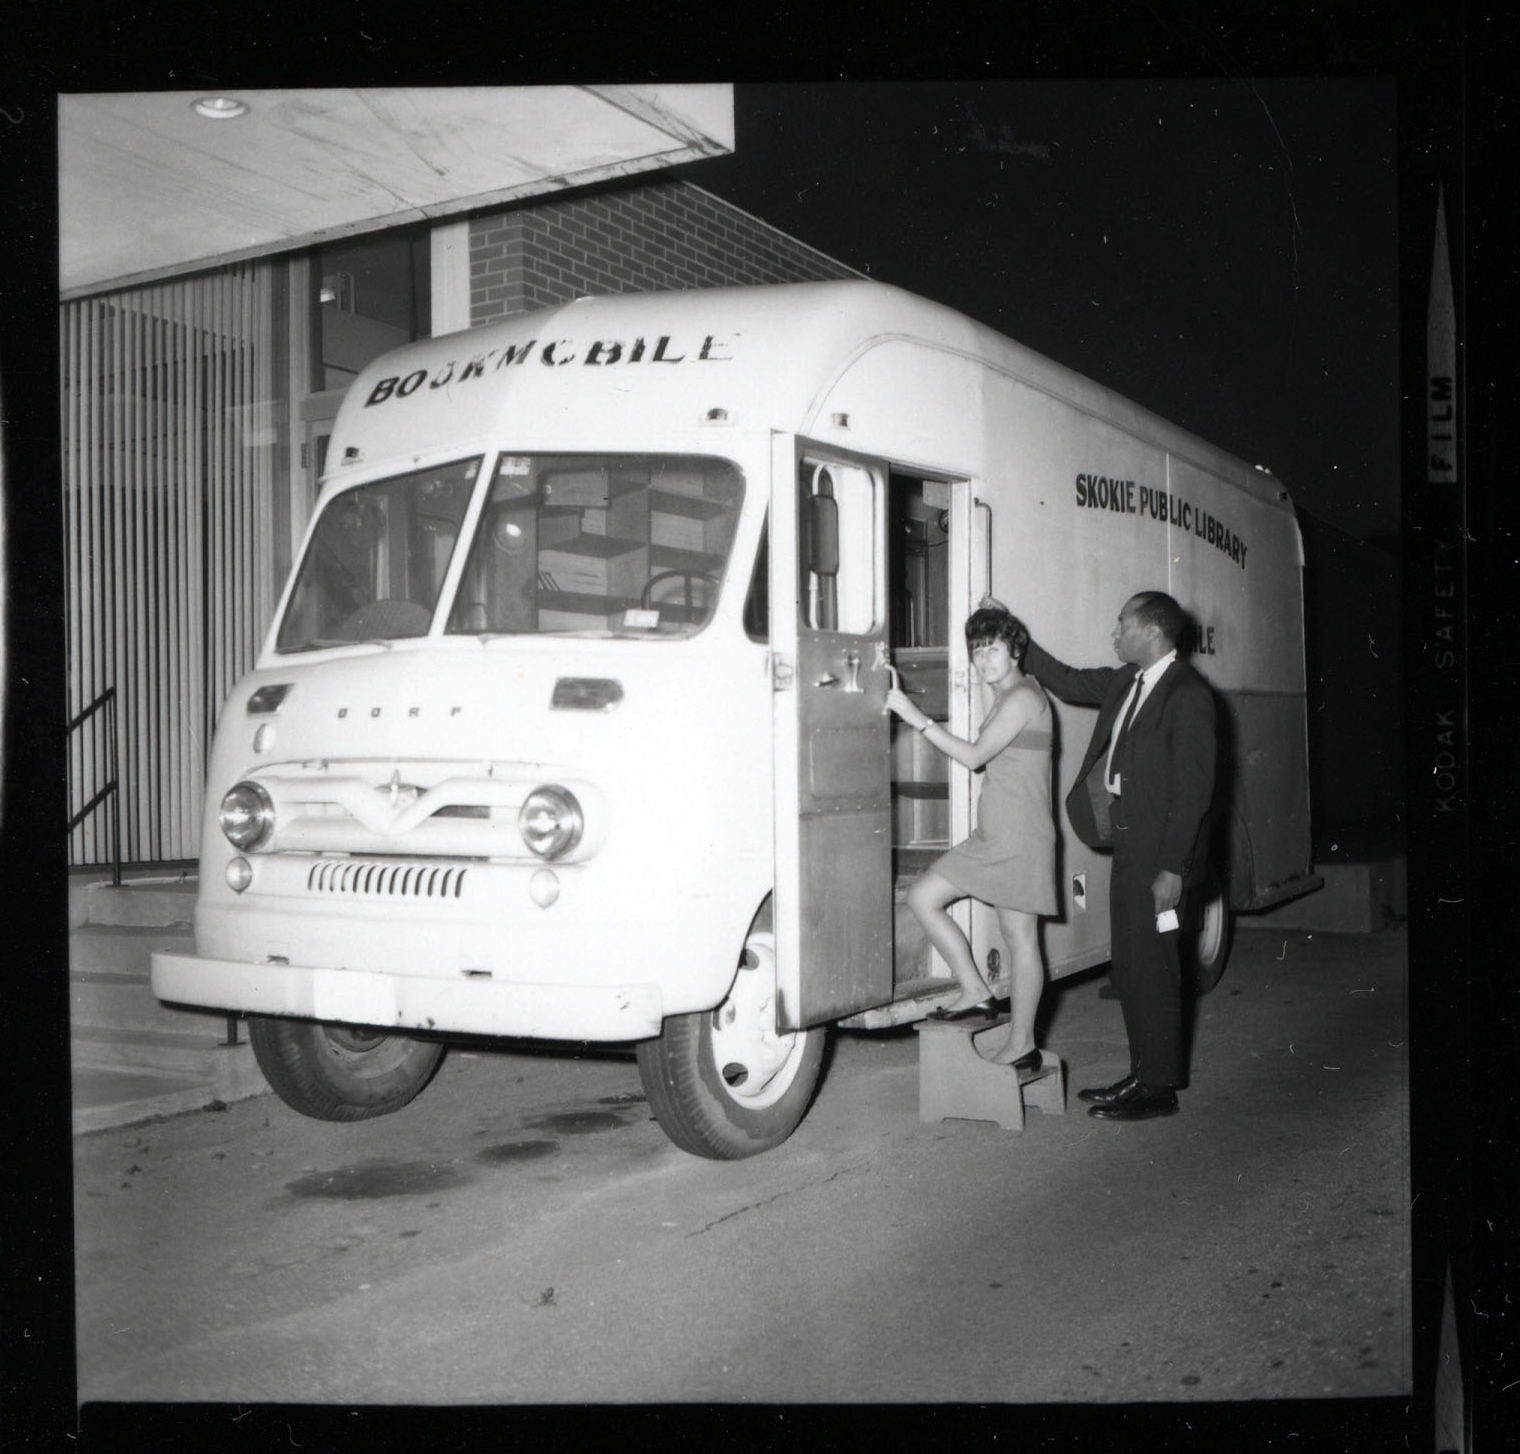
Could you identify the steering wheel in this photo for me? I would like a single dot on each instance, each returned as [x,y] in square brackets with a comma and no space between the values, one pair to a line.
[646,596]
[688,578]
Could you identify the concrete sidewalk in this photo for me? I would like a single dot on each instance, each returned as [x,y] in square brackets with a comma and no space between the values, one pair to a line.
[131,1057]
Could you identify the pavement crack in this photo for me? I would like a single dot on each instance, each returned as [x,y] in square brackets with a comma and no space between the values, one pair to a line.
[767,1201]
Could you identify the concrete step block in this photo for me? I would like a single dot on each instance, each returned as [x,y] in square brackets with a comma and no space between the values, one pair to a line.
[124,948]
[149,901]
[956,1081]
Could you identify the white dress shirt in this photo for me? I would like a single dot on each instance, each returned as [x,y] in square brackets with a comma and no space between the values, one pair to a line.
[1144,681]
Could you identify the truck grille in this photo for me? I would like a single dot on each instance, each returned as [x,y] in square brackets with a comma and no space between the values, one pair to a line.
[376,880]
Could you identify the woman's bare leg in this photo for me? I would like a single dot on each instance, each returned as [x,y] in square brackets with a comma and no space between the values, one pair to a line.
[1026,980]
[928,899]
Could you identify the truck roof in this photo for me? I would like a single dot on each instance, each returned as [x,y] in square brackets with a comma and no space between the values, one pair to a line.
[633,366]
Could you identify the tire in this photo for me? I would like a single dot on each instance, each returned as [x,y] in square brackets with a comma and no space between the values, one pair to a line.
[725,1083]
[340,1072]
[1210,943]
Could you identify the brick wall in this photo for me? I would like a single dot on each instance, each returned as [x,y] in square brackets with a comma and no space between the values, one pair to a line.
[660,235]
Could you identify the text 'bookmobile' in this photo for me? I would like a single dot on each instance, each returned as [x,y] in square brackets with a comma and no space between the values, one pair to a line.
[570,725]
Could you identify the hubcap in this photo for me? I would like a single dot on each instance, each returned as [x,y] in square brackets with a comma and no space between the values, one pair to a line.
[756,1061]
[368,1054]
[353,1040]
[1211,934]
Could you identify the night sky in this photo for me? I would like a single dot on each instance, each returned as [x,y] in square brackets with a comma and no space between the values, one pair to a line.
[1223,252]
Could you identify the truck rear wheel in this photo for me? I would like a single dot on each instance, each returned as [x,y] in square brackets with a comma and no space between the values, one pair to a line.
[1211,944]
[340,1072]
[726,1083]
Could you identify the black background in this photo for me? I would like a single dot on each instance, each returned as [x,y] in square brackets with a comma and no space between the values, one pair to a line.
[1076,296]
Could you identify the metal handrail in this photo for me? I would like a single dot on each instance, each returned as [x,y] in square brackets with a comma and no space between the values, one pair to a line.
[111,789]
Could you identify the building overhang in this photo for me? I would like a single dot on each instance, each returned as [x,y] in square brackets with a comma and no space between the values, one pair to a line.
[150,186]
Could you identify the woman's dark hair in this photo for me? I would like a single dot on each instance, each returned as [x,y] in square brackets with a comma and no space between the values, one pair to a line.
[987,624]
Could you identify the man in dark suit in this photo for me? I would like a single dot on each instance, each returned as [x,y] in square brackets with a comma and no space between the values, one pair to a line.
[1144,788]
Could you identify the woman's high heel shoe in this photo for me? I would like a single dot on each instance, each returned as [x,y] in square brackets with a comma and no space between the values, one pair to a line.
[1030,1066]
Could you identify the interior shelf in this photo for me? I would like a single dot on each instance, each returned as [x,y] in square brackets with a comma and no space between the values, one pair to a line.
[583,603]
[649,530]
[602,547]
[938,792]
[670,557]
[694,507]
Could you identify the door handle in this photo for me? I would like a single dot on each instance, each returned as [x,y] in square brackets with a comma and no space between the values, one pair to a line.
[852,674]
[897,685]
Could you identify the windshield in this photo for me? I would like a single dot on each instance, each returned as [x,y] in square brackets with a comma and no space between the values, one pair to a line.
[377,559]
[630,544]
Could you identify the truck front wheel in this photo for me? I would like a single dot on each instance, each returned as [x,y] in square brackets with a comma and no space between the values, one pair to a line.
[726,1083]
[340,1072]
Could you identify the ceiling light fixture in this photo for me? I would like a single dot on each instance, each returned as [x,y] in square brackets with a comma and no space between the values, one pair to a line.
[219,108]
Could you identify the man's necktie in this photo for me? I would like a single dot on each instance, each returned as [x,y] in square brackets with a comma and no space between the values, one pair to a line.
[1129,716]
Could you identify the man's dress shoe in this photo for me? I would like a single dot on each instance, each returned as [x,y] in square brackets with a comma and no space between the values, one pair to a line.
[1139,1105]
[1108,1094]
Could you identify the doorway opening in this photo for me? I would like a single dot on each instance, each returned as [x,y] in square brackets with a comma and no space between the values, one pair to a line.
[919,530]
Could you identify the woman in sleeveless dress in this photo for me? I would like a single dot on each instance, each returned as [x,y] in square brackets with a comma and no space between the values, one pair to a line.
[1008,861]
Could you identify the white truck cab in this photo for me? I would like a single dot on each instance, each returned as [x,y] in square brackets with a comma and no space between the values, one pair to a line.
[570,724]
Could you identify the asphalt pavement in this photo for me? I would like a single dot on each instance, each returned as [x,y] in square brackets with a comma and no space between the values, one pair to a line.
[524,1235]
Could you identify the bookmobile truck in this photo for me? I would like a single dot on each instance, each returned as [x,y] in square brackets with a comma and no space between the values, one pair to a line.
[570,725]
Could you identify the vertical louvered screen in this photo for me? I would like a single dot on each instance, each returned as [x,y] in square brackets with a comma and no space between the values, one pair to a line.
[170,450]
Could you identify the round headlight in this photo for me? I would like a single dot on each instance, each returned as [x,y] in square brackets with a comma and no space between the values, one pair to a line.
[246,815]
[550,821]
